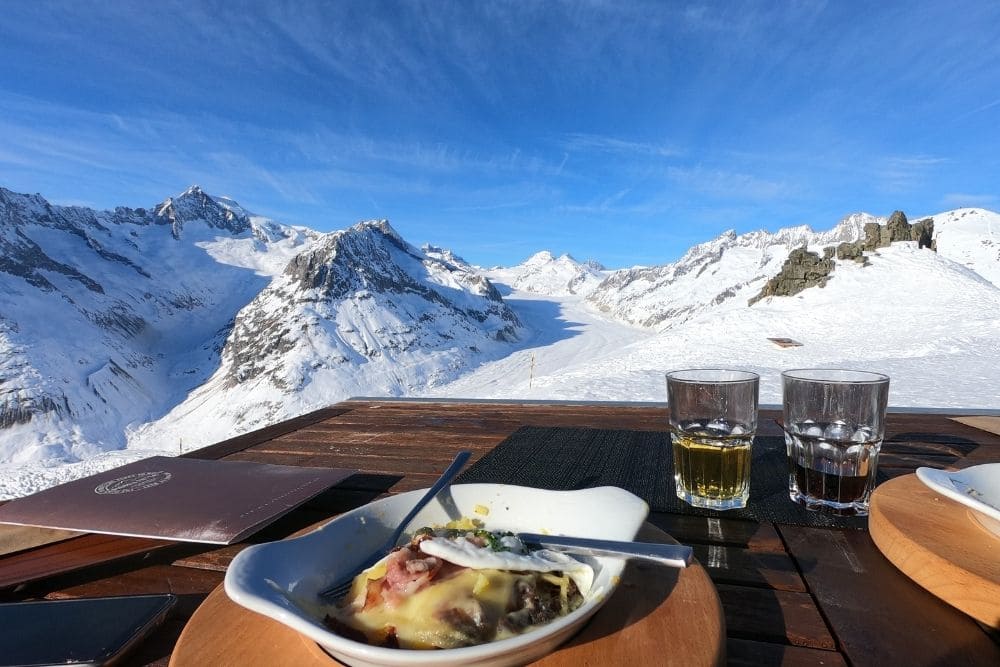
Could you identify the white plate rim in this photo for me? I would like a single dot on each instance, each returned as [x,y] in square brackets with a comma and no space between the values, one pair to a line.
[984,476]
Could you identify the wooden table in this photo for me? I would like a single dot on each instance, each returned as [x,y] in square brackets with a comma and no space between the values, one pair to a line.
[791,595]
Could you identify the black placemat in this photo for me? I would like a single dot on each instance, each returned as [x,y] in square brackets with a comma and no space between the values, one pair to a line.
[640,462]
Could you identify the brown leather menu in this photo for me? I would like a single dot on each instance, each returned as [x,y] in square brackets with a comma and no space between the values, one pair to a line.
[187,500]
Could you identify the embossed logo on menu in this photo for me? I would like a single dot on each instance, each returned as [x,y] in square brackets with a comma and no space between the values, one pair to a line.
[131,483]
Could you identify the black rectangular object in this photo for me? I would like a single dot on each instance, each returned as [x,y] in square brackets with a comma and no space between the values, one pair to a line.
[77,631]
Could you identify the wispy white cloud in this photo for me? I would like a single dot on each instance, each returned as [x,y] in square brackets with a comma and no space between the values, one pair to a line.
[306,167]
[495,206]
[608,144]
[622,205]
[899,174]
[325,146]
[966,200]
[979,109]
[251,171]
[612,113]
[723,184]
[914,161]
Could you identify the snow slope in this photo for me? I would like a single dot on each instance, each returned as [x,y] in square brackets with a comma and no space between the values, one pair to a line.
[927,321]
[971,237]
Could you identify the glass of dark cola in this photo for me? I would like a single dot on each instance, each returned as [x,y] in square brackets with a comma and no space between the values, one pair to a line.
[834,424]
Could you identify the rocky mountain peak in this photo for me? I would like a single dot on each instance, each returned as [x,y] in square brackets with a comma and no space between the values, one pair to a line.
[711,273]
[446,255]
[543,273]
[542,257]
[380,226]
[356,258]
[368,294]
[195,205]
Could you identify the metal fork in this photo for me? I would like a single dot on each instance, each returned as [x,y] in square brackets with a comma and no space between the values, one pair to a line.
[340,587]
[674,555]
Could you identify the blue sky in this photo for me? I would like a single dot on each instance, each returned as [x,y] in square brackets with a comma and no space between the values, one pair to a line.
[620,131]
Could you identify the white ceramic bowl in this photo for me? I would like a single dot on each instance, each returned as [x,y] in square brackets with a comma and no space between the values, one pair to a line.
[281,579]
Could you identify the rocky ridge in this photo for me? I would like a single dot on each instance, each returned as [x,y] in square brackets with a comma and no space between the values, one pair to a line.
[710,274]
[804,269]
[400,297]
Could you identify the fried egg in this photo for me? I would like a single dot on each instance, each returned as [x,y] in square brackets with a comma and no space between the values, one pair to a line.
[466,553]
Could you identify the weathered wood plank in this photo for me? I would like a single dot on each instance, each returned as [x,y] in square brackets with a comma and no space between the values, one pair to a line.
[20,538]
[784,617]
[981,455]
[747,653]
[729,565]
[497,417]
[70,555]
[372,442]
[690,529]
[876,612]
[239,442]
[982,423]
[190,585]
[390,464]
[386,453]
[889,458]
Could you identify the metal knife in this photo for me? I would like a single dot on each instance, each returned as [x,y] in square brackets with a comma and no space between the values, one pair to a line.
[674,555]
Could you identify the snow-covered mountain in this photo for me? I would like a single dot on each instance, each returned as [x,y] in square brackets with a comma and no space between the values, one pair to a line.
[360,312]
[136,331]
[543,273]
[729,268]
[971,237]
[111,319]
[929,322]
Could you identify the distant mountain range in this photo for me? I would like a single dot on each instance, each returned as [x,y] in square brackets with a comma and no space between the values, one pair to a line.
[194,320]
[112,319]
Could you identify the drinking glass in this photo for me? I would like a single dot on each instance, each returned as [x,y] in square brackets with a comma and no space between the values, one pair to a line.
[713,417]
[834,424]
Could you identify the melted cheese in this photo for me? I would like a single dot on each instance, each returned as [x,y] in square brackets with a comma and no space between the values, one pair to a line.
[419,620]
[466,606]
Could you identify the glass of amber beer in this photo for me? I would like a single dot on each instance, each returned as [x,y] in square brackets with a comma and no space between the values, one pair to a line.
[713,417]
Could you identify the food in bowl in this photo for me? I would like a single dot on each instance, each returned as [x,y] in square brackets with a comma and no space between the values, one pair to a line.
[459,585]
[284,580]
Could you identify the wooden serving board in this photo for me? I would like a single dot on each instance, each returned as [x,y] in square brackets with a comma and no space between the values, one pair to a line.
[939,544]
[983,423]
[667,615]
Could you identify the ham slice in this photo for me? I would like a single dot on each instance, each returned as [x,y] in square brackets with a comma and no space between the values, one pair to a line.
[407,571]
